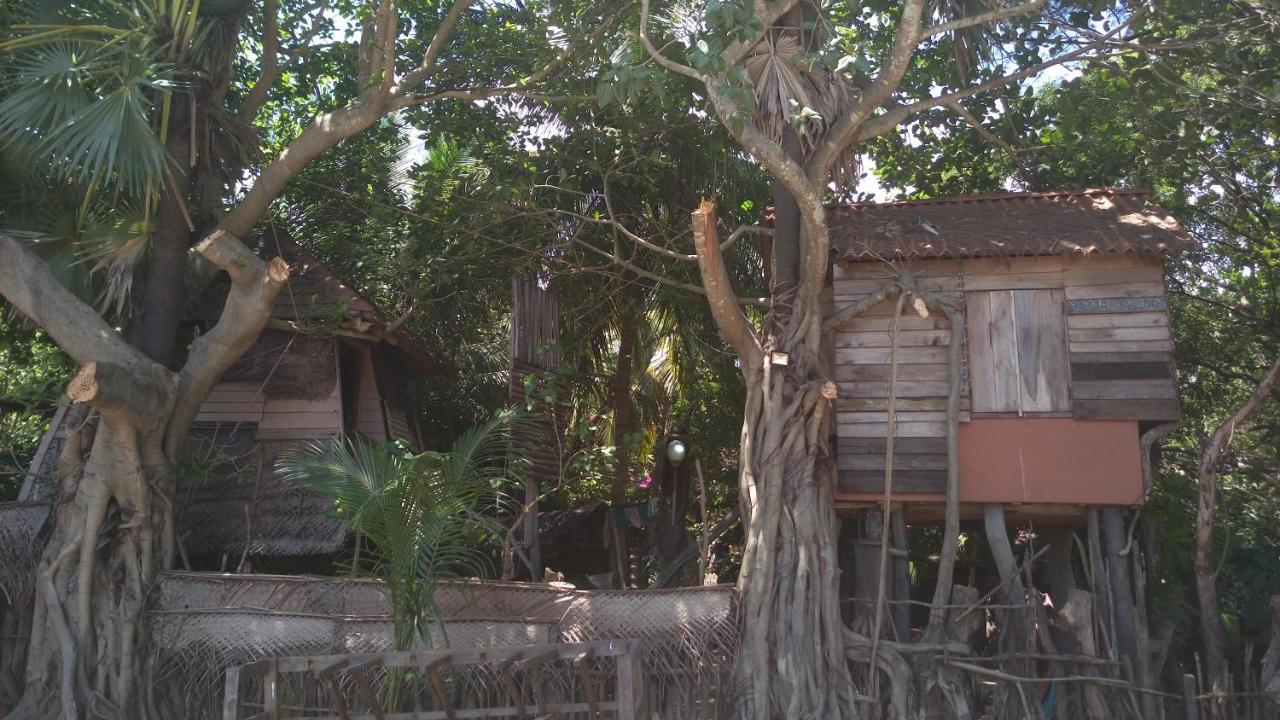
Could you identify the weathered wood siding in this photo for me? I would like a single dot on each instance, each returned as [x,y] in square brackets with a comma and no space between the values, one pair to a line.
[1121,345]
[276,418]
[862,349]
[1045,337]
[370,420]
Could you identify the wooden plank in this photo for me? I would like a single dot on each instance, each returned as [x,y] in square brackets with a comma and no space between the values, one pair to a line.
[883,339]
[1119,333]
[295,406]
[1137,273]
[1118,320]
[900,462]
[885,309]
[1118,290]
[880,356]
[909,321]
[1121,357]
[883,416]
[908,429]
[878,404]
[911,481]
[905,446]
[992,351]
[1042,351]
[248,416]
[1122,346]
[1013,281]
[867,286]
[1159,409]
[320,419]
[1105,305]
[1126,390]
[1121,371]
[935,372]
[908,389]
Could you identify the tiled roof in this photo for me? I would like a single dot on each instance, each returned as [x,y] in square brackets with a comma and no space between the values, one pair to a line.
[1079,222]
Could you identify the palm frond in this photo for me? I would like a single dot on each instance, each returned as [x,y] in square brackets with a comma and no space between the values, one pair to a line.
[423,514]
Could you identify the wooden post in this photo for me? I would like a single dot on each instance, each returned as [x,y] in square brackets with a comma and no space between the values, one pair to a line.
[1190,704]
[271,691]
[231,695]
[630,684]
[901,610]
[704,555]
[1118,569]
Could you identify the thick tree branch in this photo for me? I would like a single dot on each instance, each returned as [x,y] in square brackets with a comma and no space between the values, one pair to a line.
[254,287]
[118,392]
[27,283]
[724,304]
[844,130]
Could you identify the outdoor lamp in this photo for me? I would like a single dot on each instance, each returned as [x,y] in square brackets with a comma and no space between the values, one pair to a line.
[676,451]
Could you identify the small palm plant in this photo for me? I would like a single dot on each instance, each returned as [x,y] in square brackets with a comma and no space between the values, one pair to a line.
[427,515]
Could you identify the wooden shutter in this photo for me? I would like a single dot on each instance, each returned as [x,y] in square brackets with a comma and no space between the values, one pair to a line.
[1018,351]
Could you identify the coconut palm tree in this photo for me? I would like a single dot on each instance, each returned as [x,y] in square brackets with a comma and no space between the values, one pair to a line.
[426,515]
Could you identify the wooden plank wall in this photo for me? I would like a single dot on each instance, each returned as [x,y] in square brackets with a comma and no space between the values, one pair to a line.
[370,420]
[862,351]
[276,418]
[1046,336]
[1121,345]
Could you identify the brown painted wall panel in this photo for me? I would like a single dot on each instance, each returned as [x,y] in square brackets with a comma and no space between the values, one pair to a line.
[1027,460]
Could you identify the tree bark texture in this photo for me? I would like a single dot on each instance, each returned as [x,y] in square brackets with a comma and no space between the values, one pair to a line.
[165,301]
[791,662]
[112,523]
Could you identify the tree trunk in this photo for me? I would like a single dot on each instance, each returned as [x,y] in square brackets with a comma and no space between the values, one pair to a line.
[621,428]
[165,302]
[112,523]
[1212,635]
[792,655]
[1122,599]
[791,662]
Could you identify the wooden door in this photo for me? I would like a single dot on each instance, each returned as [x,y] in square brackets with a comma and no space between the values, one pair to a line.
[1018,351]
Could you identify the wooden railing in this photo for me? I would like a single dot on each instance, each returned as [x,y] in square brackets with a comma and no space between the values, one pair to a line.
[605,680]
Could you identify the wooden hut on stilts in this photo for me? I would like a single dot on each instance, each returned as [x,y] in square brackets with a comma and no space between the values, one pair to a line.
[1011,355]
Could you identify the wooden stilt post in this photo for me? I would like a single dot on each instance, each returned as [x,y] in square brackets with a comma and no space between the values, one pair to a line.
[901,609]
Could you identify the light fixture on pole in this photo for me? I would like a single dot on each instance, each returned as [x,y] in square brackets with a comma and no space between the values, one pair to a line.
[676,451]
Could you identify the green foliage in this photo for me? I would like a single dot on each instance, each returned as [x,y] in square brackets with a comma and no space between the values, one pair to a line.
[32,374]
[426,516]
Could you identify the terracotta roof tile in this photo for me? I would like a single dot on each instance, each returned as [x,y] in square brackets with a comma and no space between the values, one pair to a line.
[1079,222]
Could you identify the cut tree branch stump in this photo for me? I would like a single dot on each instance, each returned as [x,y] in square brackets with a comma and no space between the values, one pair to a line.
[117,392]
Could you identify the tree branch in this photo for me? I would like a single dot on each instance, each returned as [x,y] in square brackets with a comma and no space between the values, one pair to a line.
[118,392]
[991,16]
[896,114]
[1019,169]
[844,131]
[254,287]
[428,66]
[724,304]
[656,54]
[270,69]
[27,283]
